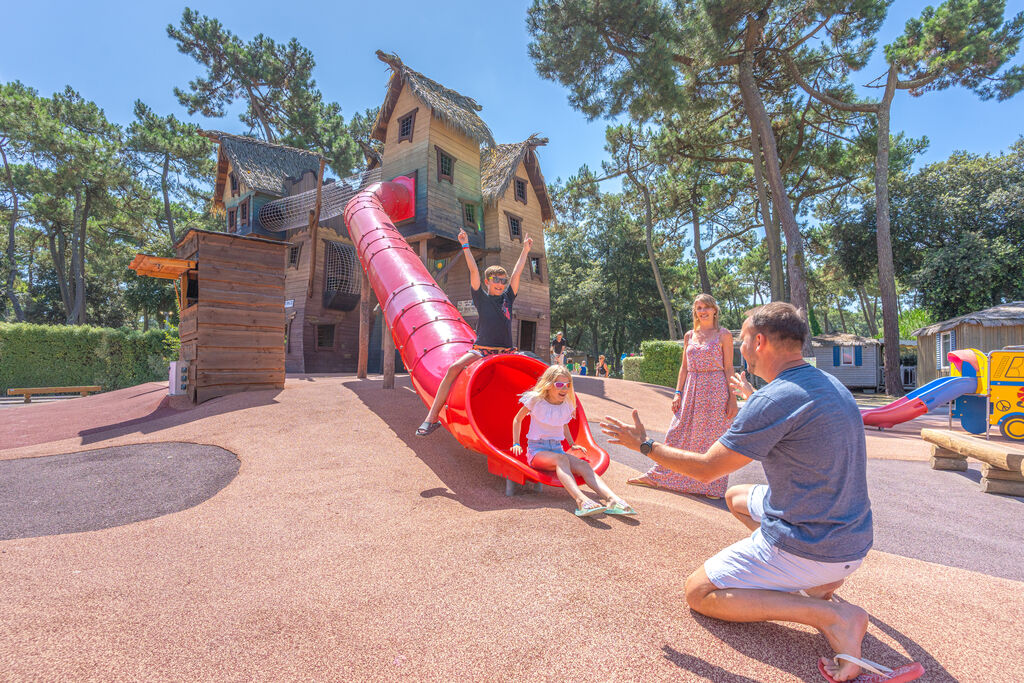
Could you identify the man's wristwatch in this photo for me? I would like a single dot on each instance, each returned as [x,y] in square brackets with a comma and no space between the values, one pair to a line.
[647,446]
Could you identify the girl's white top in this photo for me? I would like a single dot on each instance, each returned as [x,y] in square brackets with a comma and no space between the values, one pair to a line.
[546,419]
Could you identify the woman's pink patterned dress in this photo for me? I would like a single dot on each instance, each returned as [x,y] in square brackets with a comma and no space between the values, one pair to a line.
[701,417]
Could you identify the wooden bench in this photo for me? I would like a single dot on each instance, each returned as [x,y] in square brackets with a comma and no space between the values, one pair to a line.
[29,393]
[1003,469]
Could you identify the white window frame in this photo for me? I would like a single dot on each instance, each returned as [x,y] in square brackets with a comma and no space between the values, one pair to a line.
[945,346]
[843,359]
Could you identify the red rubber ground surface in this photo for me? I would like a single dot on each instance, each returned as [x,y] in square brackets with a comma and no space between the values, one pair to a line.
[348,549]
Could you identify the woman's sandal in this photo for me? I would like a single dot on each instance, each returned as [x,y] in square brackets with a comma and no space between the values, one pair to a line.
[590,508]
[879,673]
[427,428]
[620,509]
[642,481]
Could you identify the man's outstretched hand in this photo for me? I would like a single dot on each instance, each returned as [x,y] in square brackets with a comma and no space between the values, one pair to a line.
[630,436]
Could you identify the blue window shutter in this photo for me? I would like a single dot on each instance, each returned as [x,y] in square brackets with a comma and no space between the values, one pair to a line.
[858,355]
[938,351]
[835,356]
[952,340]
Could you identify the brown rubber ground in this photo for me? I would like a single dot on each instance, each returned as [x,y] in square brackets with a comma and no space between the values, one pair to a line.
[348,549]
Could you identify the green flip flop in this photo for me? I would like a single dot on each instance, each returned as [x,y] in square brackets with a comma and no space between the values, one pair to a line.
[620,509]
[588,511]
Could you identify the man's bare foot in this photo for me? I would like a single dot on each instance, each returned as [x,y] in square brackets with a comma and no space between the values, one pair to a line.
[845,635]
[824,592]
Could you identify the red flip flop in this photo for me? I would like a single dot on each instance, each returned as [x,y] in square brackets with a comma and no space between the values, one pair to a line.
[879,673]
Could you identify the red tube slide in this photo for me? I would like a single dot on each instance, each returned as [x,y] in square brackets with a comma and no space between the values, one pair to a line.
[431,335]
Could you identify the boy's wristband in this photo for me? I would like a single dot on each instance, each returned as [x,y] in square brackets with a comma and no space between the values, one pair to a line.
[465,246]
[516,444]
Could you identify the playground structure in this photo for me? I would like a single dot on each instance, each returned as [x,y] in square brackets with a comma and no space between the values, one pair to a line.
[431,335]
[984,390]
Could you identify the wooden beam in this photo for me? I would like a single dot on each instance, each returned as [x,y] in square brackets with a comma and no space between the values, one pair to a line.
[423,251]
[997,455]
[388,351]
[314,223]
[364,327]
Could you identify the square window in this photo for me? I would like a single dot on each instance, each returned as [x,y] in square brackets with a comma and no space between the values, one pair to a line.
[406,124]
[847,355]
[231,220]
[325,336]
[520,190]
[445,166]
[515,227]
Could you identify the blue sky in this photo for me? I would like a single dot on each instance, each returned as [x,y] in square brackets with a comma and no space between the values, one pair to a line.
[116,52]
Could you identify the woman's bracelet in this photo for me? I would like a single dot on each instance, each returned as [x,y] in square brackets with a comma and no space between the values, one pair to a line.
[678,392]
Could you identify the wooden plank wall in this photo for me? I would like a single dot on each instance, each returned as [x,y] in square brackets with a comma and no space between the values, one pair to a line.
[238,343]
[967,337]
[444,212]
[409,156]
[343,357]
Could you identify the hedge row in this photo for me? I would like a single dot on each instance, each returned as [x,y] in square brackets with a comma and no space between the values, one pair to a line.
[658,363]
[56,355]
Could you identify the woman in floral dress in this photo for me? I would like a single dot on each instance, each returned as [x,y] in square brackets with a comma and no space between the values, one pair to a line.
[703,406]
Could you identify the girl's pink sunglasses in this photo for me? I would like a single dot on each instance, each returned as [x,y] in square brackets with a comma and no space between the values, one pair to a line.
[561,385]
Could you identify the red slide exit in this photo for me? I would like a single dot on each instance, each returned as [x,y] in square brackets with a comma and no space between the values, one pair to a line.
[430,334]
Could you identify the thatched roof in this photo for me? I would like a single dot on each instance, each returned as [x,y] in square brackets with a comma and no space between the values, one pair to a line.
[498,166]
[262,166]
[454,109]
[843,339]
[1004,315]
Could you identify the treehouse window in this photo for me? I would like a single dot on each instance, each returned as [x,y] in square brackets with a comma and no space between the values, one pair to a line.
[234,185]
[406,124]
[243,218]
[324,337]
[520,190]
[293,256]
[445,166]
[469,215]
[231,220]
[536,271]
[515,227]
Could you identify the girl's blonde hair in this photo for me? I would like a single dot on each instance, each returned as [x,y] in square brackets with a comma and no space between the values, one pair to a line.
[547,380]
[708,300]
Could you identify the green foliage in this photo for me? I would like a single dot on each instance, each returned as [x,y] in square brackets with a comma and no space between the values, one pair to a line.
[51,355]
[914,319]
[631,368]
[661,362]
[964,275]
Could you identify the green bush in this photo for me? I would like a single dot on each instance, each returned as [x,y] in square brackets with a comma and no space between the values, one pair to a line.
[661,360]
[631,368]
[57,355]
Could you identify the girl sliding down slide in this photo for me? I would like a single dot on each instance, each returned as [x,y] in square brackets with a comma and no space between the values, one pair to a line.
[551,404]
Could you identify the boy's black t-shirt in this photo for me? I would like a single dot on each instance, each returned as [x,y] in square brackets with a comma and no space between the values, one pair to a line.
[494,327]
[558,345]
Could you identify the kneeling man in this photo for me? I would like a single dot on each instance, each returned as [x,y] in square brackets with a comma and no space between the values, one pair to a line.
[812,522]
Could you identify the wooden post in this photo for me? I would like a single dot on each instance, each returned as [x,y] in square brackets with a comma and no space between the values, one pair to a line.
[388,352]
[314,223]
[364,327]
[423,251]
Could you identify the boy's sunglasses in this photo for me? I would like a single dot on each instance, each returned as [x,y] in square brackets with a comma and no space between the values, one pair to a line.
[499,280]
[561,385]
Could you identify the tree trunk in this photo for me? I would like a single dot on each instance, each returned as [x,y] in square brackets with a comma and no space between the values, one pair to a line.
[771,228]
[649,237]
[842,318]
[56,241]
[759,121]
[869,315]
[145,321]
[167,201]
[702,259]
[886,271]
[78,258]
[12,270]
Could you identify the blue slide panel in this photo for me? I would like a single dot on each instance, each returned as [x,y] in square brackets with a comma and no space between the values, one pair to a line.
[940,391]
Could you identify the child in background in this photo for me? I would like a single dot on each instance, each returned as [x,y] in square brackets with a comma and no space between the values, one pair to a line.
[551,405]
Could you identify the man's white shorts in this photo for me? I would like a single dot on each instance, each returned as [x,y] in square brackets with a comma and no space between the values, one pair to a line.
[755,563]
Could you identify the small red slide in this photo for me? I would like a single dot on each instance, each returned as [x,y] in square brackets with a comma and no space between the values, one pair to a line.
[430,334]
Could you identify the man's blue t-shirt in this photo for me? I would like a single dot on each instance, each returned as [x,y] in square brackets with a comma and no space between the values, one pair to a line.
[806,431]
